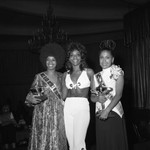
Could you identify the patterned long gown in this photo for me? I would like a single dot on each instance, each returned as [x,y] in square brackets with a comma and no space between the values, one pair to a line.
[48,132]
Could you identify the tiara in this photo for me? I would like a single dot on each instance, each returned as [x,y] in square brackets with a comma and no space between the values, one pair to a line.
[107,44]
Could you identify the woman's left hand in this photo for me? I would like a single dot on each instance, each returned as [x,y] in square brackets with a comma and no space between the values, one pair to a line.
[104,114]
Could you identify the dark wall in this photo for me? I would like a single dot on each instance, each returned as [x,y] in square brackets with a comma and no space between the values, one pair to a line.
[19,65]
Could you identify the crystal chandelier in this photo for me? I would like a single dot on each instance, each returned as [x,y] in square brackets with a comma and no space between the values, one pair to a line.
[50,31]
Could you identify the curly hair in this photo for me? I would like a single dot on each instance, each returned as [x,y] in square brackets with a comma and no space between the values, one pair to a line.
[55,50]
[82,50]
[108,45]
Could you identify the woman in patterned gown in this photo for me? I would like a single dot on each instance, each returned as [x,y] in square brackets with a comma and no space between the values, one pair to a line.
[48,132]
[110,123]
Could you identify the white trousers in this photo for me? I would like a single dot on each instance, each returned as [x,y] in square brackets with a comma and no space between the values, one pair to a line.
[77,118]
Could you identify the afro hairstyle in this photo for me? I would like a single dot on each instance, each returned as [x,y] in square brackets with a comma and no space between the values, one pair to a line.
[55,50]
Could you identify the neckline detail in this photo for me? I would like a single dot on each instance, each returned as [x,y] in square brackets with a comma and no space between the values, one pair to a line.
[107,69]
[77,79]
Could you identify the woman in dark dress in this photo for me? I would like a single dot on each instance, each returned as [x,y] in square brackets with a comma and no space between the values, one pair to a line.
[110,123]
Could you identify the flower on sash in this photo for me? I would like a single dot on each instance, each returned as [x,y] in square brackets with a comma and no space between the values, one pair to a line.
[115,71]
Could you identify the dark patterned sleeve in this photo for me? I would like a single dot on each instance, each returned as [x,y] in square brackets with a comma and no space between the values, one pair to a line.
[35,82]
[33,86]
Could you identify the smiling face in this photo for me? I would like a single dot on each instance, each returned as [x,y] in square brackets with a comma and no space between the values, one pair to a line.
[51,63]
[106,59]
[75,57]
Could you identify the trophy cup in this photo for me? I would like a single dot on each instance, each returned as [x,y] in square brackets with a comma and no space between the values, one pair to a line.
[105,91]
[38,93]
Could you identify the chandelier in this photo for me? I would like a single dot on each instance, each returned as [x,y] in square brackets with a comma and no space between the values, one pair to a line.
[50,31]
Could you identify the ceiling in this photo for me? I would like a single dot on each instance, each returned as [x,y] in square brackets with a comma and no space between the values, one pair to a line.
[76,17]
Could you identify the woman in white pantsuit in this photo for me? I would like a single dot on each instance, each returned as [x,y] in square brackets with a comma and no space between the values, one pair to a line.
[76,83]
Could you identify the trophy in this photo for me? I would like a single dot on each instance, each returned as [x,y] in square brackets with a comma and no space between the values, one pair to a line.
[38,93]
[103,89]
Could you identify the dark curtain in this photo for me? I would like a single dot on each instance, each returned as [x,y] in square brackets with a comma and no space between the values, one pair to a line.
[137,41]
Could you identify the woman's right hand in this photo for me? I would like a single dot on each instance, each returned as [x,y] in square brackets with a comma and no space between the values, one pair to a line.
[32,99]
[101,98]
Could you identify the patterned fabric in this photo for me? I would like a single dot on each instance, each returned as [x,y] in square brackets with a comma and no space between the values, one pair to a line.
[48,131]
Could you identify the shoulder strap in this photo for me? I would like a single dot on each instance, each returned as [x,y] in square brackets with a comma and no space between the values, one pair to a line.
[51,85]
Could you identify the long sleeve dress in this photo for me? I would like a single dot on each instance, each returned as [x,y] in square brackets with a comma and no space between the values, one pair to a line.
[48,131]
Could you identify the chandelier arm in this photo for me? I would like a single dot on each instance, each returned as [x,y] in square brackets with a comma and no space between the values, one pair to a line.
[50,32]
